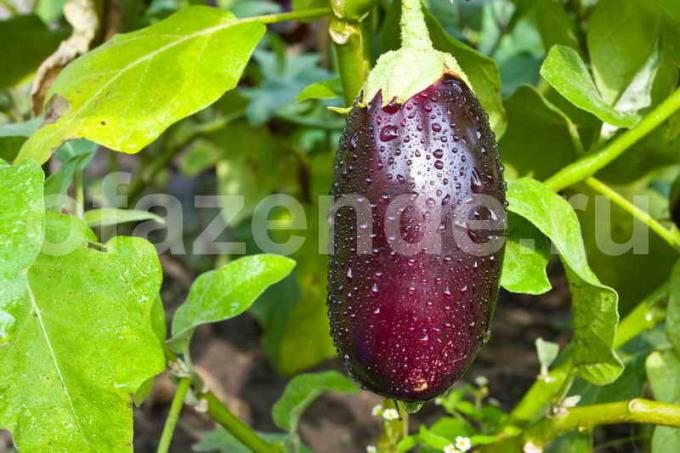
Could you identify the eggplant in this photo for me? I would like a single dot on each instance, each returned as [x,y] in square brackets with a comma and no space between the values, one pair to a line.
[408,321]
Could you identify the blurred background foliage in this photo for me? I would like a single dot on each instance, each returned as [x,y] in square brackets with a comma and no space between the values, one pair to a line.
[275,133]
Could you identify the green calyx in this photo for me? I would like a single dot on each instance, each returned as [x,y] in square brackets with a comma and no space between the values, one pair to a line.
[401,74]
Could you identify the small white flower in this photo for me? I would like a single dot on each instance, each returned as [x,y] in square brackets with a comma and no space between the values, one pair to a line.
[377,410]
[463,443]
[390,414]
[371,449]
[450,449]
[438,401]
[481,381]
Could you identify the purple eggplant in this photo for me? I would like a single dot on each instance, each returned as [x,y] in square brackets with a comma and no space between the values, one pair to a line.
[408,312]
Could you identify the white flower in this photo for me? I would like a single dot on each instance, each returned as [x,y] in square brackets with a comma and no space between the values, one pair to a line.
[450,449]
[438,401]
[481,381]
[390,414]
[377,410]
[371,449]
[463,443]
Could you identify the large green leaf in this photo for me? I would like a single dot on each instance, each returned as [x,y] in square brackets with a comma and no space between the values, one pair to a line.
[302,390]
[540,138]
[663,371]
[480,70]
[227,292]
[25,41]
[125,93]
[22,216]
[621,36]
[567,73]
[594,305]
[57,391]
[527,253]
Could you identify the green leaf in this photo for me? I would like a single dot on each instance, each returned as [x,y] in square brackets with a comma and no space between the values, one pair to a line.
[13,135]
[480,70]
[568,74]
[621,36]
[663,372]
[673,310]
[22,214]
[594,305]
[22,218]
[110,216]
[540,138]
[574,442]
[226,293]
[126,92]
[432,440]
[302,390]
[75,395]
[327,89]
[527,253]
[25,41]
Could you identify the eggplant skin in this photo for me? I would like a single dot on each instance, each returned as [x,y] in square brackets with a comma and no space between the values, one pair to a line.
[409,325]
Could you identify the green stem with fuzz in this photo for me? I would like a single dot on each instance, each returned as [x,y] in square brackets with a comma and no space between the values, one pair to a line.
[592,163]
[173,416]
[244,433]
[351,43]
[414,31]
[671,237]
[393,430]
[583,418]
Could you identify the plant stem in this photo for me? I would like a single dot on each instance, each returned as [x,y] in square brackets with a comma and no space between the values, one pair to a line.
[671,237]
[582,418]
[414,31]
[393,430]
[592,163]
[173,415]
[244,433]
[647,314]
[350,40]
[80,194]
[305,14]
